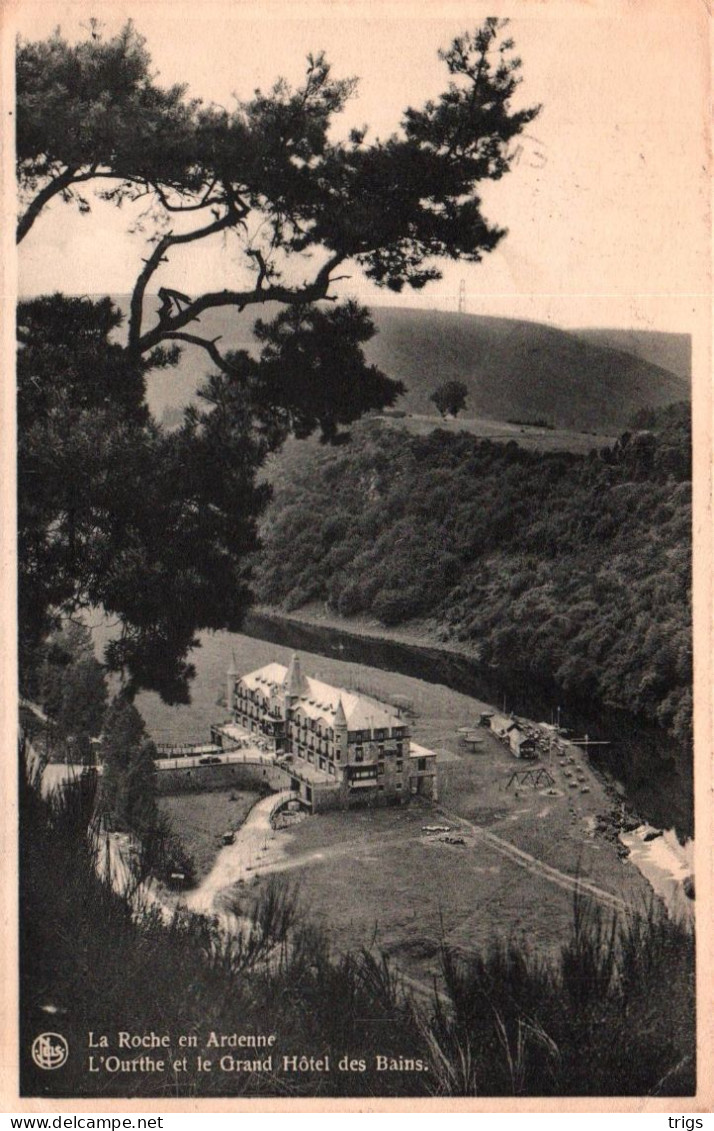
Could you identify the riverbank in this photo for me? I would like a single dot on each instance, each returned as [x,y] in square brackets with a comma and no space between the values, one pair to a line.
[645,767]
[557,826]
[421,633]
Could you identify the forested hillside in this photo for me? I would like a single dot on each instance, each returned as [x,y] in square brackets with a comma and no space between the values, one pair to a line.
[553,566]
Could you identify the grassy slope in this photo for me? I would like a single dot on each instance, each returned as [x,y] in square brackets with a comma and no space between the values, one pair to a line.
[515,370]
[670,351]
[547,565]
[200,819]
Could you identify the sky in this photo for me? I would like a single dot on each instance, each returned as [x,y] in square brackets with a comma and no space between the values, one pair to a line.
[606,207]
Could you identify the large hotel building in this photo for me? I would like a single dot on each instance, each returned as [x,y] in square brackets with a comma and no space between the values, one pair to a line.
[339,747]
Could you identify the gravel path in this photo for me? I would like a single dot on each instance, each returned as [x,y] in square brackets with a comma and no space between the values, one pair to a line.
[238,860]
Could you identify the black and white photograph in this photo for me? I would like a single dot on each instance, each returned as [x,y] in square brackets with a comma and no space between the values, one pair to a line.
[358,714]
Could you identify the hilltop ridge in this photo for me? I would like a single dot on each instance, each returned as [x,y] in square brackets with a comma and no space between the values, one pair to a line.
[514,369]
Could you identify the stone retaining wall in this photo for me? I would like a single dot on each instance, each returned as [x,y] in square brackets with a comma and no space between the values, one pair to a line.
[238,775]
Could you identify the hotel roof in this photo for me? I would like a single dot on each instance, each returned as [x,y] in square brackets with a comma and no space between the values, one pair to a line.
[320,700]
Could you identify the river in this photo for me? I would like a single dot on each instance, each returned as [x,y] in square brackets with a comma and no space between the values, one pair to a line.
[647,768]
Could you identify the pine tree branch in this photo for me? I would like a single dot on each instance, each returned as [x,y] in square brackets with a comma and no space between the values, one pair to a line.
[234,215]
[288,296]
[57,185]
[209,345]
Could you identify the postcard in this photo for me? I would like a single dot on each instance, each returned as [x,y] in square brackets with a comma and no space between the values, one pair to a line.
[357,544]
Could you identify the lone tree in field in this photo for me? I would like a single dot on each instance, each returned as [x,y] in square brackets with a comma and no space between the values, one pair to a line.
[157,527]
[450,398]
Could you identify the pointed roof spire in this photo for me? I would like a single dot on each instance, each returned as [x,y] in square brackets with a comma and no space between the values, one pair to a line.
[233,669]
[293,678]
[340,716]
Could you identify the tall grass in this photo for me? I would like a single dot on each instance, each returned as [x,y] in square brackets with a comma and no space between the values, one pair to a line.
[613,1015]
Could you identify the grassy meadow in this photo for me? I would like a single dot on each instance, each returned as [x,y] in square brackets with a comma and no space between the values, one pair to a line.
[200,819]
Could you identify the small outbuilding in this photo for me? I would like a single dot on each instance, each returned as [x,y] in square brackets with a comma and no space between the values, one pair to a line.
[522,745]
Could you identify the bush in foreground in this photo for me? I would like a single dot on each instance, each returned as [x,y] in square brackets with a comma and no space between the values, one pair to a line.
[613,1015]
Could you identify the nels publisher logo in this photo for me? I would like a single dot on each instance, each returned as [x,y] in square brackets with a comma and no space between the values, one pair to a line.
[49,1050]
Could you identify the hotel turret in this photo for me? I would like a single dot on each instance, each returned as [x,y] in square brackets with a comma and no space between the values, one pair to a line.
[341,748]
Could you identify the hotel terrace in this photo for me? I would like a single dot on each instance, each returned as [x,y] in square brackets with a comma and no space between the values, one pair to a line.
[340,748]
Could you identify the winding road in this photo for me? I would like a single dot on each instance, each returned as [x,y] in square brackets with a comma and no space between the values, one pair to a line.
[237,861]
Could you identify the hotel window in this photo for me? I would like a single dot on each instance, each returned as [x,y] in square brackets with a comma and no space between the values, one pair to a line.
[400,765]
[359,754]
